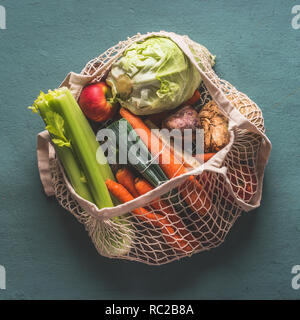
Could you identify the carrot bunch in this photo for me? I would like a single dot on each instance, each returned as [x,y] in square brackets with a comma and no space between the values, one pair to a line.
[142,186]
[174,232]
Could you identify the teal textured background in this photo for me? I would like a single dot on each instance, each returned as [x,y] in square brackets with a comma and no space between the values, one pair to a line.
[46,252]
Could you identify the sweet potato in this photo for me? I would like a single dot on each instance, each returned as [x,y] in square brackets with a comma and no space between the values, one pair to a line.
[185,118]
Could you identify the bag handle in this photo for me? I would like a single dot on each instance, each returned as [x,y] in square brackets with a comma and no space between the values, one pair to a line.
[45,153]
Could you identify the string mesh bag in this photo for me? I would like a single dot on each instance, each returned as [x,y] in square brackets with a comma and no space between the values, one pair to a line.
[189,213]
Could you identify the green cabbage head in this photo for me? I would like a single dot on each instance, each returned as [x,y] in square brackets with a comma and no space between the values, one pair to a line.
[153,75]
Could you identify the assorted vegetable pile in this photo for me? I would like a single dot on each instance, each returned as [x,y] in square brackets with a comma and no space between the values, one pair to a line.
[153,86]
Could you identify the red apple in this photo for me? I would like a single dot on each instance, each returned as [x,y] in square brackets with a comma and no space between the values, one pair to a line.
[93,102]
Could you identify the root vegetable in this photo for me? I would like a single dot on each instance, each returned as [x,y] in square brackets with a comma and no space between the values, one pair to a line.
[185,118]
[215,125]
[126,179]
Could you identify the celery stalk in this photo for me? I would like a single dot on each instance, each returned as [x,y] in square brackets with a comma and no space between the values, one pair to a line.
[76,147]
[90,136]
[74,173]
[83,142]
[68,160]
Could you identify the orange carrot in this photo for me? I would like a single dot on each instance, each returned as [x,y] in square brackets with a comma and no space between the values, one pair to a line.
[123,195]
[197,199]
[205,156]
[196,96]
[143,186]
[125,178]
[178,155]
[118,191]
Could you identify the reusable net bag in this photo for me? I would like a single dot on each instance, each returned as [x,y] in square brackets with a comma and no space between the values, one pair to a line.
[231,182]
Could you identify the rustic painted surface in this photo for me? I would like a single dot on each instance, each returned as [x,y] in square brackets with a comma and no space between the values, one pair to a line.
[46,252]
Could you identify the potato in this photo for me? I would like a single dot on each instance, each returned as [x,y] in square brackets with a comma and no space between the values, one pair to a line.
[185,118]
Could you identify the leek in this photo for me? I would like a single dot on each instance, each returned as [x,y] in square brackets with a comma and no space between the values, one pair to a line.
[144,163]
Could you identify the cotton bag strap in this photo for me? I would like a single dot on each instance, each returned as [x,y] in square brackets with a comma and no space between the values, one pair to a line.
[45,152]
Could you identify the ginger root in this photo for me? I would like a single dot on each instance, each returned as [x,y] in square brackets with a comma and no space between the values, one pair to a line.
[215,126]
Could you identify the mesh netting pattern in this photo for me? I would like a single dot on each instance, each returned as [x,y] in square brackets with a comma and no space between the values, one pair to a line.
[172,229]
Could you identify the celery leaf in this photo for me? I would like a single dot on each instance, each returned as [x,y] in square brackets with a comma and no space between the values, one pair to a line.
[55,126]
